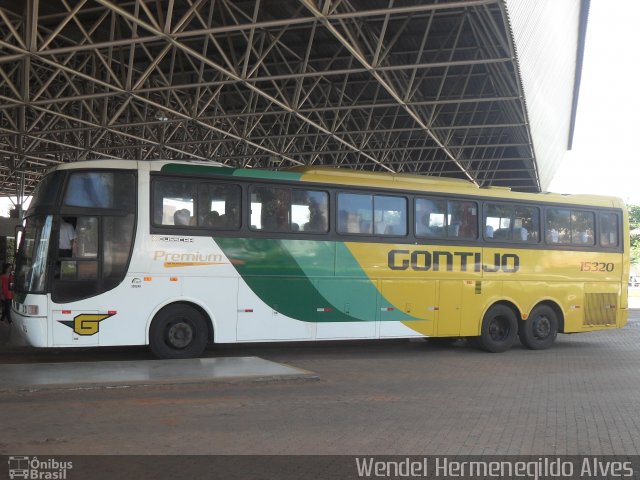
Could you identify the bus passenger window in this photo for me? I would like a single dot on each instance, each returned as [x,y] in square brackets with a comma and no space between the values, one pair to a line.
[390,215]
[526,224]
[430,217]
[608,229]
[270,207]
[498,221]
[309,211]
[173,202]
[219,206]
[355,212]
[558,225]
[289,210]
[462,219]
[582,227]
[565,226]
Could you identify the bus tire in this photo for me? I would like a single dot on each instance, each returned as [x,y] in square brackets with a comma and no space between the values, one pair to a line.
[178,331]
[540,330]
[499,329]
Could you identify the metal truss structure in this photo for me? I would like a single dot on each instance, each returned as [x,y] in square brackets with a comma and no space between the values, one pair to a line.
[426,87]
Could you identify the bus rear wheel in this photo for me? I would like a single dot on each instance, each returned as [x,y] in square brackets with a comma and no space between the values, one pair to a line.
[499,329]
[178,331]
[540,330]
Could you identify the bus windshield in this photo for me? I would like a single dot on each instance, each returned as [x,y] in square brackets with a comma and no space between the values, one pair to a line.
[31,261]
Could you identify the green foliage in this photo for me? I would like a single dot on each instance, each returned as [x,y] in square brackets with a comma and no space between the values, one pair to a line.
[634,222]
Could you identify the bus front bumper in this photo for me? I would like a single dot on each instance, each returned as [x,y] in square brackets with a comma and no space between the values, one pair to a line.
[33,329]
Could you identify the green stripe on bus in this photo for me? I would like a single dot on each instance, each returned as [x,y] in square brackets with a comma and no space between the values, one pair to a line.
[267,174]
[276,278]
[297,278]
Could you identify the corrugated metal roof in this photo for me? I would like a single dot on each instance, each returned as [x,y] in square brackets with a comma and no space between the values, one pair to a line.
[546,40]
[426,87]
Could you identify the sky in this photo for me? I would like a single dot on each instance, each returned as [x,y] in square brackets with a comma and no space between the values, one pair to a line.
[604,158]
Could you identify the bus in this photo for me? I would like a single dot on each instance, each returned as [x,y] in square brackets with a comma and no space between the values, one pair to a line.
[180,254]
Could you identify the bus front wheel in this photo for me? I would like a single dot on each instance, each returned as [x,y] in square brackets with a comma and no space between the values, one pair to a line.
[178,331]
[540,330]
[499,329]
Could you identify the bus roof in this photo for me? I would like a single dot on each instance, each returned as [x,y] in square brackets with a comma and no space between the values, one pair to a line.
[348,177]
[444,185]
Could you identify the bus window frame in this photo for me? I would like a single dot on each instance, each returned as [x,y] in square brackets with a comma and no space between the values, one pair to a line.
[406,196]
[60,210]
[300,186]
[619,232]
[334,190]
[594,245]
[512,241]
[446,238]
[192,230]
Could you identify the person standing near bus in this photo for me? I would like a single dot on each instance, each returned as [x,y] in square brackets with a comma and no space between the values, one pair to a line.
[5,291]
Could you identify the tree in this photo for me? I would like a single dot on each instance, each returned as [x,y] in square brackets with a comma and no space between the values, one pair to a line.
[634,223]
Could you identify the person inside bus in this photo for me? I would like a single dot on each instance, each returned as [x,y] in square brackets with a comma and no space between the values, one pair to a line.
[454,229]
[231,217]
[348,222]
[182,217]
[66,239]
[521,233]
[317,217]
[212,219]
[488,231]
[424,227]
[468,221]
[381,227]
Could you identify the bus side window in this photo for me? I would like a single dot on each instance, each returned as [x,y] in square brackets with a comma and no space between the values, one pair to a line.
[219,206]
[270,208]
[608,229]
[498,222]
[173,202]
[390,215]
[355,213]
[310,211]
[463,219]
[565,226]
[557,226]
[526,224]
[582,227]
[430,217]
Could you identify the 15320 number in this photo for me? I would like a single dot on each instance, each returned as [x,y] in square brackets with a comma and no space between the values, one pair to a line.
[596,267]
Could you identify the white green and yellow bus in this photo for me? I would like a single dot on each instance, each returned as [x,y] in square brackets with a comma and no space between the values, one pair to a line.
[180,254]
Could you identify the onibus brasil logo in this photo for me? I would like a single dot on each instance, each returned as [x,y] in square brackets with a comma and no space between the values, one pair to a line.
[36,469]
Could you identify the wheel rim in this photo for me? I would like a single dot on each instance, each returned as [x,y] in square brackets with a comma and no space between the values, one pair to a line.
[179,334]
[541,327]
[499,328]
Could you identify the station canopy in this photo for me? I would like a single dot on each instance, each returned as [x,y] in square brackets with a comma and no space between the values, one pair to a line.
[477,89]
